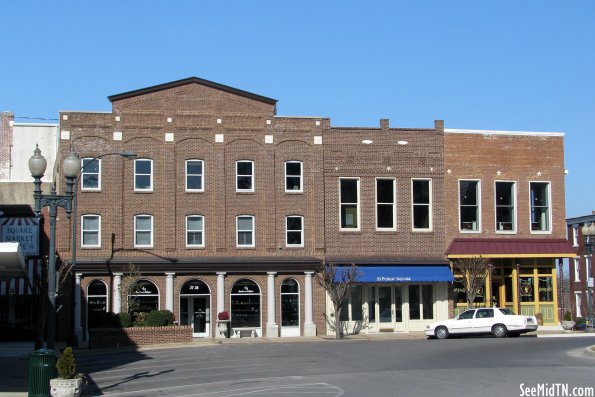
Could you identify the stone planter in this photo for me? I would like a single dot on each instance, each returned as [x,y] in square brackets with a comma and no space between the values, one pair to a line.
[222,327]
[66,387]
[568,325]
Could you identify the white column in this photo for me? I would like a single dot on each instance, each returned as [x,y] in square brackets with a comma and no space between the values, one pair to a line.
[78,329]
[116,293]
[169,291]
[272,327]
[220,300]
[309,326]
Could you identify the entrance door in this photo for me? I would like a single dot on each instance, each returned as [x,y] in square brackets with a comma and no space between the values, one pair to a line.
[195,311]
[390,308]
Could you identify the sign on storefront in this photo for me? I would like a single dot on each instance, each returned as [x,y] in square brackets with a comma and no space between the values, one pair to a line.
[24,231]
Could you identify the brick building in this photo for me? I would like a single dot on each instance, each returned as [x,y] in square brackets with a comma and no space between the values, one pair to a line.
[230,207]
[581,267]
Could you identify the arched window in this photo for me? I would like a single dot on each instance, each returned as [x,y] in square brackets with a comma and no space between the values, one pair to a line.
[290,303]
[143,298]
[96,303]
[245,304]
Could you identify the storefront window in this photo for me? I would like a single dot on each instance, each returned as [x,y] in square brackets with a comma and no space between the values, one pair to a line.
[546,290]
[508,289]
[144,298]
[290,303]
[372,304]
[96,303]
[245,304]
[527,289]
[356,303]
[459,291]
[427,294]
[414,313]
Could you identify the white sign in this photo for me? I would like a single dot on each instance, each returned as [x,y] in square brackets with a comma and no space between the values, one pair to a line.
[24,231]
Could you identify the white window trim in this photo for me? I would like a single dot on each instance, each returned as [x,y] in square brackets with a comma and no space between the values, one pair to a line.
[588,260]
[106,296]
[150,188]
[430,207]
[575,235]
[252,231]
[294,231]
[478,206]
[253,178]
[158,293]
[98,245]
[394,211]
[92,160]
[549,215]
[577,268]
[252,294]
[202,175]
[514,212]
[359,218]
[188,245]
[301,176]
[152,231]
[578,298]
[281,294]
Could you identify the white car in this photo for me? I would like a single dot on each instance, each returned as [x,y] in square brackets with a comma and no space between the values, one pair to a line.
[499,322]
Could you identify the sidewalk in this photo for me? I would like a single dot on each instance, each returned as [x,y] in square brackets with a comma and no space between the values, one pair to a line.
[14,359]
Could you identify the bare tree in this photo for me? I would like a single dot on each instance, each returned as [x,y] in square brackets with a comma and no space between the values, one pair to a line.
[129,286]
[473,273]
[337,281]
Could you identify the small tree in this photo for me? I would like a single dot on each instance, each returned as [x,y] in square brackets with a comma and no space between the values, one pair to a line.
[129,286]
[66,365]
[473,272]
[337,281]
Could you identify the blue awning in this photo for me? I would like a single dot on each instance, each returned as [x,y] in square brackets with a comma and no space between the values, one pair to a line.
[403,274]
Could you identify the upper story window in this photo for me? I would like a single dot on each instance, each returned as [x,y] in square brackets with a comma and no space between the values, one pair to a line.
[469,199]
[294,226]
[90,231]
[577,269]
[244,176]
[293,176]
[194,175]
[91,173]
[575,235]
[540,206]
[245,231]
[143,175]
[385,204]
[421,201]
[349,203]
[195,231]
[143,231]
[505,207]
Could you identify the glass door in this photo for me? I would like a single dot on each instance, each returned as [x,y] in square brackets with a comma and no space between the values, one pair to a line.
[398,302]
[385,309]
[195,311]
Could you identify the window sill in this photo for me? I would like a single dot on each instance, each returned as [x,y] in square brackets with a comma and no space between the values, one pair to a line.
[245,247]
[349,231]
[505,231]
[143,191]
[91,190]
[90,247]
[385,231]
[144,247]
[195,191]
[542,232]
[294,192]
[294,247]
[195,247]
[245,192]
[422,231]
[470,231]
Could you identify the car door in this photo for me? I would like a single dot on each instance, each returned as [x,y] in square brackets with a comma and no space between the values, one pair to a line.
[483,321]
[462,323]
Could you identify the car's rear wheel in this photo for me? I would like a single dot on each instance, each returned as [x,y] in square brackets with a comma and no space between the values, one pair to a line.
[441,332]
[499,330]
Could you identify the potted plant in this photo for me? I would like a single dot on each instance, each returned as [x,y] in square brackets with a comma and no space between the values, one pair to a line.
[568,324]
[223,319]
[539,317]
[69,382]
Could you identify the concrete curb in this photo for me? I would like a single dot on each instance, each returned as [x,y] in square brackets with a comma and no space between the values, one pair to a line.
[590,351]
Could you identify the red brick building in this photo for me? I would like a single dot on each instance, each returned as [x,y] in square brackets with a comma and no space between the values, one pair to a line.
[581,268]
[229,207]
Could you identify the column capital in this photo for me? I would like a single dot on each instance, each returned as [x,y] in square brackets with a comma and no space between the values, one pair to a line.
[272,273]
[117,274]
[78,275]
[309,273]
[221,273]
[170,274]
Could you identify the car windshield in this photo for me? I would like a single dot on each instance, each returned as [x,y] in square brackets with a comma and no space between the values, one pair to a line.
[507,312]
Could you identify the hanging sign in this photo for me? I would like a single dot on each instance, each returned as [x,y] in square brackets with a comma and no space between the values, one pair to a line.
[24,231]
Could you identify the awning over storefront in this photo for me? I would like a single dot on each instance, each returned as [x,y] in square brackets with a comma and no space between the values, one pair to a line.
[12,262]
[403,274]
[510,248]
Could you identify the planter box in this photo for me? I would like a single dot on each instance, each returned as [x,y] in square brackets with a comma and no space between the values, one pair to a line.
[100,338]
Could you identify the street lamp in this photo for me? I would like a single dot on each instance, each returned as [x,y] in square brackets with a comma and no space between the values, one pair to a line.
[124,154]
[71,166]
[589,235]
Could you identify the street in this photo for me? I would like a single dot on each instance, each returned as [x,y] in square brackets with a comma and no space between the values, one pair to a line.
[455,367]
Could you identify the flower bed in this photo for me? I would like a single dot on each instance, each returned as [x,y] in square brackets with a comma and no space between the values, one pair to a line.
[100,338]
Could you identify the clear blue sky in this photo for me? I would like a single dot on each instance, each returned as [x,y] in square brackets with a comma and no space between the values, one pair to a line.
[508,65]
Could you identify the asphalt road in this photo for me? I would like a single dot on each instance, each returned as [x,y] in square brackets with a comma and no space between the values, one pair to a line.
[482,367]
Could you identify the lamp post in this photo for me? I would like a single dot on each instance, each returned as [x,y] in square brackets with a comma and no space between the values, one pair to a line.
[589,235]
[71,165]
[124,154]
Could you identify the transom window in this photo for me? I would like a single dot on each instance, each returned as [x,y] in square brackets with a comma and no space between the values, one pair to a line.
[195,231]
[469,206]
[294,231]
[385,204]
[194,175]
[421,193]
[540,206]
[143,231]
[505,207]
[293,176]
[245,176]
[349,203]
[91,173]
[245,231]
[143,175]
[90,231]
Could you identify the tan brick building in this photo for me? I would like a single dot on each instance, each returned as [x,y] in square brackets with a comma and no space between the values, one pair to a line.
[229,207]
